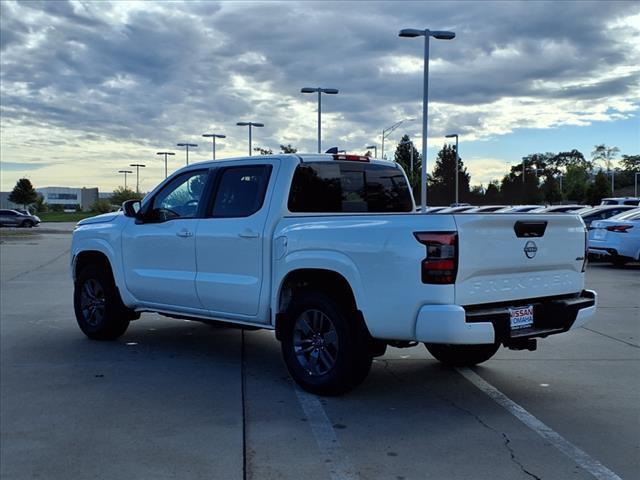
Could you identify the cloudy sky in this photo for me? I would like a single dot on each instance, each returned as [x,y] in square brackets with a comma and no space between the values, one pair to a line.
[89,87]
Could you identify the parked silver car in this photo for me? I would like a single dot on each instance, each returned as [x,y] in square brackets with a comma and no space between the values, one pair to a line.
[13,218]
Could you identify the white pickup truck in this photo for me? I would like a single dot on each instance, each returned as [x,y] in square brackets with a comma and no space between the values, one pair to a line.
[328,251]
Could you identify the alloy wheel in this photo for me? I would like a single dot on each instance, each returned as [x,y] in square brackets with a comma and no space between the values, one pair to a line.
[315,342]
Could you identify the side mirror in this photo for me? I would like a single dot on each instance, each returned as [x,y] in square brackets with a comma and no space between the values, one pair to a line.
[131,208]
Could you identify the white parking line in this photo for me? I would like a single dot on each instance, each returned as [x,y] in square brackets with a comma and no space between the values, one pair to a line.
[579,456]
[339,466]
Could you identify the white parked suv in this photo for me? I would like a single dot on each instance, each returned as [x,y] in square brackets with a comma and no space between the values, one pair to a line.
[328,251]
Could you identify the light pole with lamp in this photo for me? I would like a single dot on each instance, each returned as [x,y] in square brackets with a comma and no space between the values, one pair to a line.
[320,91]
[125,176]
[213,137]
[388,130]
[138,165]
[165,160]
[440,35]
[452,135]
[187,145]
[250,125]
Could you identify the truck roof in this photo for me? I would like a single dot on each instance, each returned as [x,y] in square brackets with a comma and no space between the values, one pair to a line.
[294,157]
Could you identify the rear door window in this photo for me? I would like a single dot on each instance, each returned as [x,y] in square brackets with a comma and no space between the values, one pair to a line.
[349,187]
[241,190]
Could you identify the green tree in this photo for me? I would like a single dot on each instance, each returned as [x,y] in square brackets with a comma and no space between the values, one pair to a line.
[23,193]
[630,163]
[551,190]
[263,151]
[599,189]
[101,206]
[576,182]
[402,156]
[602,153]
[492,194]
[39,205]
[562,160]
[121,195]
[517,189]
[288,148]
[443,179]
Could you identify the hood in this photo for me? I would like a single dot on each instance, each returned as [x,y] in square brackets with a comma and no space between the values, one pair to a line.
[104,218]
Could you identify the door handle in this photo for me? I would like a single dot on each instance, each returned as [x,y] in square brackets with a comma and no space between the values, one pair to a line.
[184,233]
[248,234]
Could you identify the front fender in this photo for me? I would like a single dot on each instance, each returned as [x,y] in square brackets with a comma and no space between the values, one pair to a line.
[105,239]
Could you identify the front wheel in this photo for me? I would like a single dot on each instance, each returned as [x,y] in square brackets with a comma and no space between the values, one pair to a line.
[462,355]
[620,261]
[27,224]
[97,304]
[323,345]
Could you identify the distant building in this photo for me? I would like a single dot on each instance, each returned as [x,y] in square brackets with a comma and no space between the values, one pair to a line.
[69,198]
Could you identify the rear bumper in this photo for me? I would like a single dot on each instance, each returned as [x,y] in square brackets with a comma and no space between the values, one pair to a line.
[483,324]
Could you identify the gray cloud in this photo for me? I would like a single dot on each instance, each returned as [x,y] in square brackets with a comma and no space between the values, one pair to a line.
[165,73]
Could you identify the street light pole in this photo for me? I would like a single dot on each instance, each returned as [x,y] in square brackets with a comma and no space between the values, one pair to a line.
[390,129]
[213,137]
[165,161]
[457,161]
[440,35]
[375,150]
[320,91]
[137,165]
[250,124]
[636,184]
[187,145]
[125,176]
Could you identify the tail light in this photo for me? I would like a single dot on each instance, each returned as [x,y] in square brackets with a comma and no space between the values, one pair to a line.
[619,228]
[441,265]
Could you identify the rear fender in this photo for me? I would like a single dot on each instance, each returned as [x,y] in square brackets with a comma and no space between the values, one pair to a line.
[320,260]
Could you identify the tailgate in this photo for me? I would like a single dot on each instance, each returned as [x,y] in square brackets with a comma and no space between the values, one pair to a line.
[504,257]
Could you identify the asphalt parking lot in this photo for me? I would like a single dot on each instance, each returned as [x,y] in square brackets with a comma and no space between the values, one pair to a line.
[174,399]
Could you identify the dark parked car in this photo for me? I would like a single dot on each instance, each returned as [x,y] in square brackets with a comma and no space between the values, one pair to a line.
[13,218]
[602,212]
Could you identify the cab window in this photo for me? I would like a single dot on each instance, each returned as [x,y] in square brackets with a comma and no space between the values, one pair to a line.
[179,198]
[240,191]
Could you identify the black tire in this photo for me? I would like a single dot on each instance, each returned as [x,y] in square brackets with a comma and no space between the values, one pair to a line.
[100,313]
[619,261]
[340,365]
[462,355]
[27,224]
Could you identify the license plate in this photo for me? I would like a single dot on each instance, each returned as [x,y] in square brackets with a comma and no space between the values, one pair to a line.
[521,317]
[599,234]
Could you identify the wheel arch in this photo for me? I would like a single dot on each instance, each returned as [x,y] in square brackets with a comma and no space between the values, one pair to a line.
[90,257]
[328,281]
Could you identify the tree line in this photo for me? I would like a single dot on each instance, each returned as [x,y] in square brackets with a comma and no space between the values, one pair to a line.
[547,178]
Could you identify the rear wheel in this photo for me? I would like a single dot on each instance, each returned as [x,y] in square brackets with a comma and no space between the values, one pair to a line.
[462,355]
[323,345]
[100,313]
